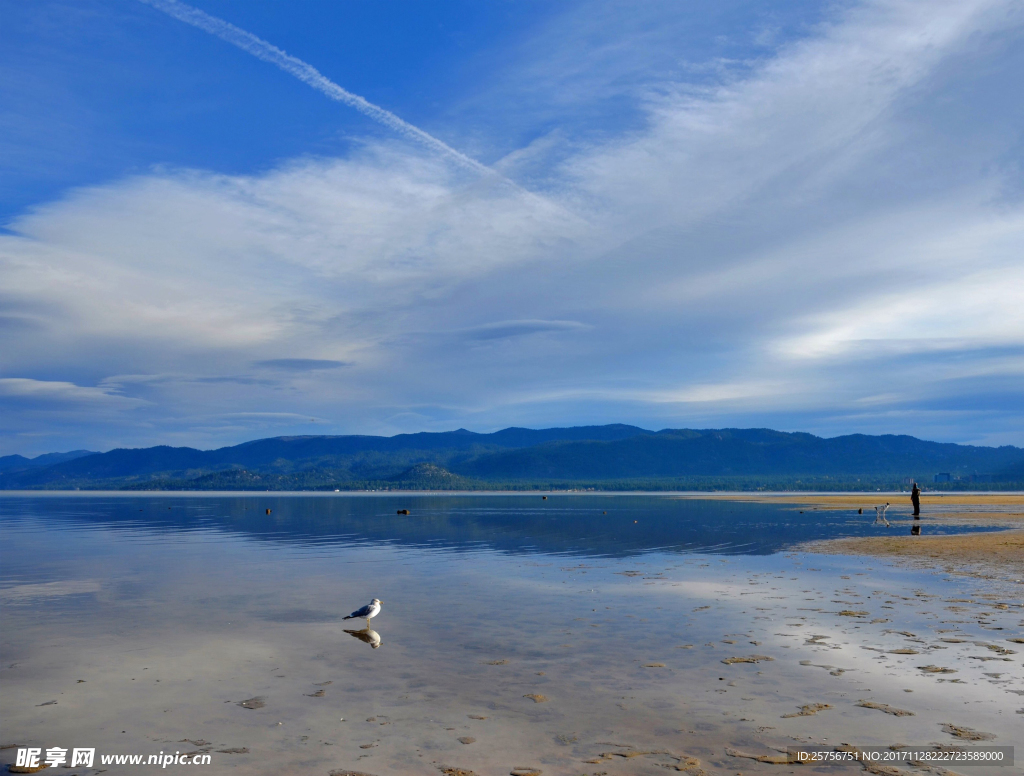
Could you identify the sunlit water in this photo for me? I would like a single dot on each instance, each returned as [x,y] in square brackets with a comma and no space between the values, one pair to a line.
[555,635]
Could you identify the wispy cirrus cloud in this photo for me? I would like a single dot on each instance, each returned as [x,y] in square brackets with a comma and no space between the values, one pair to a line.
[301,364]
[505,329]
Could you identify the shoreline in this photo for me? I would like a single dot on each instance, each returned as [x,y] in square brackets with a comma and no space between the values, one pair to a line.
[982,553]
[854,497]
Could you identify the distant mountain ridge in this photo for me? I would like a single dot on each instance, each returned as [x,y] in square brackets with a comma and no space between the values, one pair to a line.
[370,455]
[10,463]
[594,455]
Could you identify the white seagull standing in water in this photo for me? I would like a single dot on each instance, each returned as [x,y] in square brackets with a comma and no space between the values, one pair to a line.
[372,609]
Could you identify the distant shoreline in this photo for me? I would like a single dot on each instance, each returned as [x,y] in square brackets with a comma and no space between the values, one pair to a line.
[822,498]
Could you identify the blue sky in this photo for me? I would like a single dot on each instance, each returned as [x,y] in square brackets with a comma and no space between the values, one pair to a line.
[800,215]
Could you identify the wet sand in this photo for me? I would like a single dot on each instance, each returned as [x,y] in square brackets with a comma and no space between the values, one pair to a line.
[996,553]
[846,500]
[489,663]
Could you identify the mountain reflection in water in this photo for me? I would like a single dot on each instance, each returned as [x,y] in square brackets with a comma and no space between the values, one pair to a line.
[591,525]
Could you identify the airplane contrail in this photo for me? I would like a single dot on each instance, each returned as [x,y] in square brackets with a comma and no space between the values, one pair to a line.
[310,75]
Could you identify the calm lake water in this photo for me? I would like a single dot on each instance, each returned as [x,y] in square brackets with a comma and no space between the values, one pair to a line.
[577,634]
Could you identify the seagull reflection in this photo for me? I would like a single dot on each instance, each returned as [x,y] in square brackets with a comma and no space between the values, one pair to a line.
[366,635]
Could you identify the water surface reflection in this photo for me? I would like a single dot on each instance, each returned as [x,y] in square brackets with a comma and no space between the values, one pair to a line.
[517,631]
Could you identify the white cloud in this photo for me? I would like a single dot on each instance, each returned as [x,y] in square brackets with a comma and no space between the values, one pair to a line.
[756,249]
[62,394]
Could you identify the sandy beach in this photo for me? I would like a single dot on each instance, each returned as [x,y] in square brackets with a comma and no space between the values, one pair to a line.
[987,553]
[977,553]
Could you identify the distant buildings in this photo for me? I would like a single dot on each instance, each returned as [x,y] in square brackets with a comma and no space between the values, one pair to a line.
[948,477]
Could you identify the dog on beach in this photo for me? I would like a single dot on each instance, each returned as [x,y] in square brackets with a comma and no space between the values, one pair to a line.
[880,514]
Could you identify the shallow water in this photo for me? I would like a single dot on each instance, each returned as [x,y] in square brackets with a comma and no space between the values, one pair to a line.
[150,618]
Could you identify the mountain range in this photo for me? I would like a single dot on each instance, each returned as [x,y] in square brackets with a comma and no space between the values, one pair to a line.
[611,457]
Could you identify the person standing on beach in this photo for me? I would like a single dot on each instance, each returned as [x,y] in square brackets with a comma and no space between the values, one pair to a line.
[915,499]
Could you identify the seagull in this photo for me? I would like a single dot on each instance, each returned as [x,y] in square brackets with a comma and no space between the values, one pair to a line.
[372,609]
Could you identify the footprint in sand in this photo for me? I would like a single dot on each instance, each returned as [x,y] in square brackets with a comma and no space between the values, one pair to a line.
[748,659]
[886,708]
[809,710]
[831,669]
[772,759]
[966,732]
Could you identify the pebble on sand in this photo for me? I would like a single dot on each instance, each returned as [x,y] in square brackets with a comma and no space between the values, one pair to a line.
[466,740]
[536,698]
[253,703]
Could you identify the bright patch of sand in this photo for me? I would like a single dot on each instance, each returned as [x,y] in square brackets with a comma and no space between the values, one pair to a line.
[1002,549]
